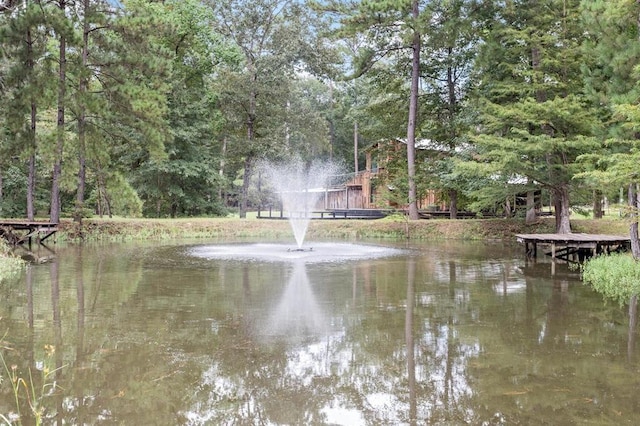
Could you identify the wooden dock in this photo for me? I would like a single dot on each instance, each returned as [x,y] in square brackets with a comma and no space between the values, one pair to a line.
[330,214]
[20,232]
[573,247]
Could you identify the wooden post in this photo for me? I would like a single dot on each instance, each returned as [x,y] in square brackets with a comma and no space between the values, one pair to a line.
[346,195]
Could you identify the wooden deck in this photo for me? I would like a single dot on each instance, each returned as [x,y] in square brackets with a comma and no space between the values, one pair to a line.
[330,214]
[573,247]
[19,232]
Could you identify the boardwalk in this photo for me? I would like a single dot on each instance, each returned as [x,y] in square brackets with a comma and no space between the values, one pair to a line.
[18,232]
[330,214]
[573,247]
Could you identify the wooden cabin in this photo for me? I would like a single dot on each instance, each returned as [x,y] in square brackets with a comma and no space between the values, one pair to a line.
[368,189]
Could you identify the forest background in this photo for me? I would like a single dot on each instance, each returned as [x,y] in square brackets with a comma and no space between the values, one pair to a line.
[163,108]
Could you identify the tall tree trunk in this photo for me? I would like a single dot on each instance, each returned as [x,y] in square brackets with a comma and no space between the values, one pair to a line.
[1,193]
[597,204]
[355,147]
[563,225]
[251,117]
[57,162]
[634,206]
[82,119]
[248,170]
[453,204]
[452,105]
[413,116]
[531,208]
[31,178]
[101,189]
[332,124]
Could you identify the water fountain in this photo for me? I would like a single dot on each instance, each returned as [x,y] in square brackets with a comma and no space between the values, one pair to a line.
[300,186]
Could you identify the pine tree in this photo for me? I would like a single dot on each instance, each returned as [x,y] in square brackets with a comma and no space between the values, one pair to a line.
[535,121]
[121,72]
[26,85]
[393,30]
[612,45]
[448,55]
[64,31]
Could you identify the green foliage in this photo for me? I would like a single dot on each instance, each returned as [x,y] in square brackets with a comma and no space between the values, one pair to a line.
[179,97]
[125,200]
[533,122]
[616,276]
[612,53]
[9,264]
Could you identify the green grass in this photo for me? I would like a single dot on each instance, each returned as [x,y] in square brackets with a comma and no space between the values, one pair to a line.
[395,227]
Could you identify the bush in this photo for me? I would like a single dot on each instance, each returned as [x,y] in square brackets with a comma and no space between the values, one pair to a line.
[616,276]
[9,264]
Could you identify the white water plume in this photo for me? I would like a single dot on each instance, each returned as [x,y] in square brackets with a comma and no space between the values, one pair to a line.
[300,185]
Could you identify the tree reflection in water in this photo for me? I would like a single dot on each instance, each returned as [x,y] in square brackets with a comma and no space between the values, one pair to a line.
[307,367]
[443,334]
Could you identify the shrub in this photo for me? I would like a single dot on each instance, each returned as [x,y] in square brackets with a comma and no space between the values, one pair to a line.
[615,276]
[9,264]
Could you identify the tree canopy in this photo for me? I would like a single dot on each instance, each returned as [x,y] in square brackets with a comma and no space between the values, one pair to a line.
[164,108]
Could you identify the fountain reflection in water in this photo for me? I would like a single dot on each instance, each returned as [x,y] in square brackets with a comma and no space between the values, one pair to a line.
[300,185]
[297,314]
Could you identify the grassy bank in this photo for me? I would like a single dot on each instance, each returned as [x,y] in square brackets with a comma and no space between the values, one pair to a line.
[389,228]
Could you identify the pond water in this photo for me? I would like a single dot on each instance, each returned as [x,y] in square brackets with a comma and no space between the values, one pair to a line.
[349,334]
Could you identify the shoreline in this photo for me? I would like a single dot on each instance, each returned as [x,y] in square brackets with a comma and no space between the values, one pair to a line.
[388,228]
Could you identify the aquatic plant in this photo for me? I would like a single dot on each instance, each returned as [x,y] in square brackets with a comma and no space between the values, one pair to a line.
[615,276]
[26,388]
[10,265]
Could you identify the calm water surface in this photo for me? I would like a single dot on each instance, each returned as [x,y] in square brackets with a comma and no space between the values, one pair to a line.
[426,334]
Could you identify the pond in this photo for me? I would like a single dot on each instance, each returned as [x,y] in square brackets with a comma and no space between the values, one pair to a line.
[349,334]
